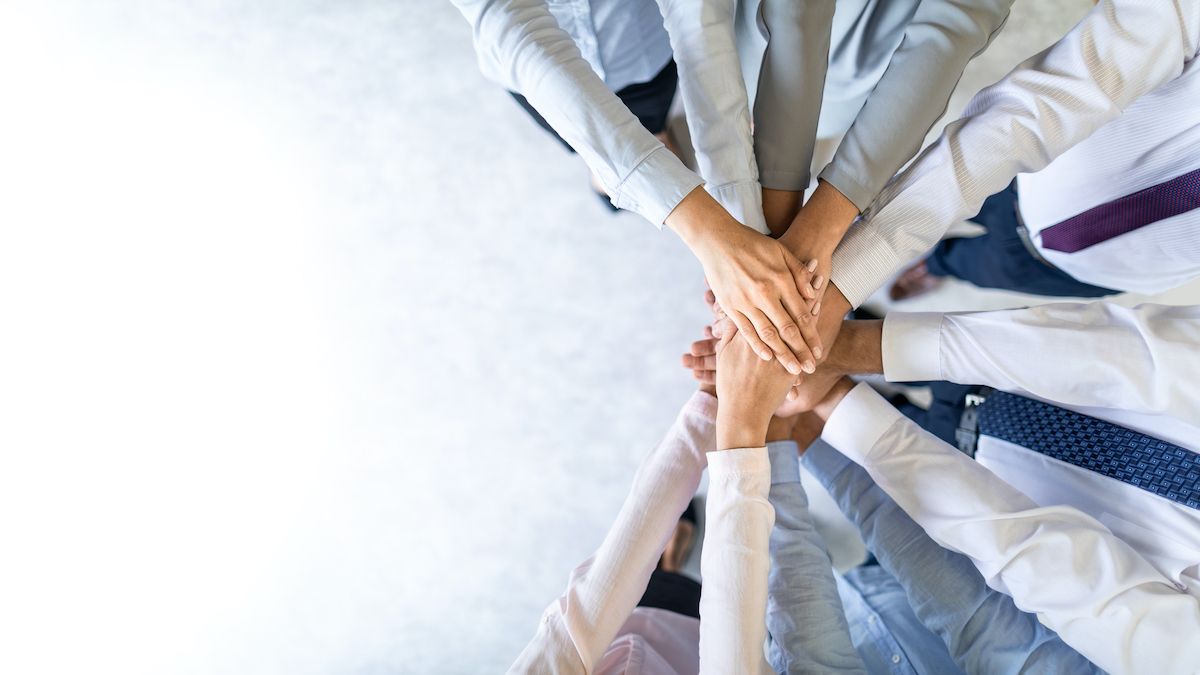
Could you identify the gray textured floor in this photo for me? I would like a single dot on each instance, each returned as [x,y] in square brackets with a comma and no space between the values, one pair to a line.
[321,358]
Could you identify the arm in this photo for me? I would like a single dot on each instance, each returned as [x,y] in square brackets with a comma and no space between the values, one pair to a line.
[982,628]
[790,89]
[576,629]
[1141,359]
[714,96]
[521,42]
[734,562]
[1096,592]
[942,37]
[804,613]
[1120,51]
[763,285]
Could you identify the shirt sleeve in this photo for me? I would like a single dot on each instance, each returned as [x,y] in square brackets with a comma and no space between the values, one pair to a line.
[805,620]
[522,45]
[1121,50]
[1097,593]
[734,562]
[791,84]
[576,629]
[942,37]
[714,97]
[982,629]
[1141,359]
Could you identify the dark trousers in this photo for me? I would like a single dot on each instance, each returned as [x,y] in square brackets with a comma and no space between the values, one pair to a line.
[648,101]
[944,414]
[999,259]
[672,592]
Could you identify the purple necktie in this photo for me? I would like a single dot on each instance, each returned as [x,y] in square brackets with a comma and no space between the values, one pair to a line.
[1112,219]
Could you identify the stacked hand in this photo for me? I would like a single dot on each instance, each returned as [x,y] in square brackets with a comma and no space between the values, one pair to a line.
[764,290]
[749,390]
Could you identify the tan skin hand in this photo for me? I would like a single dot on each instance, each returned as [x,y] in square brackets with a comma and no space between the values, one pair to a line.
[764,289]
[749,390]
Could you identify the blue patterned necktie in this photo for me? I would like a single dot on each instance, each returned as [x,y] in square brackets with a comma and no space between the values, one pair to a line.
[1131,457]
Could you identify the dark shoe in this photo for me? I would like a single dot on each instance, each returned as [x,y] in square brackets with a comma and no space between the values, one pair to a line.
[914,281]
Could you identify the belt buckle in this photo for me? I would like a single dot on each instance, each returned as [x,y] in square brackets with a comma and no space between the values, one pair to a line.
[966,436]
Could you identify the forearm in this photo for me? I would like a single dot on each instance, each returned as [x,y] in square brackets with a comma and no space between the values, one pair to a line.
[714,97]
[982,628]
[818,228]
[734,561]
[605,589]
[1023,350]
[1101,597]
[521,43]
[790,89]
[805,620]
[941,38]
[1120,51]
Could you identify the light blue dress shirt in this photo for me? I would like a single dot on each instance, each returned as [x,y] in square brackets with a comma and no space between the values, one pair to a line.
[624,41]
[980,629]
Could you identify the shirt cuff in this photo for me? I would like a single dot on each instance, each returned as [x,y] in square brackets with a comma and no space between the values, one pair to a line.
[859,421]
[912,346]
[656,186]
[743,201]
[824,462]
[738,461]
[785,462]
[863,262]
[859,192]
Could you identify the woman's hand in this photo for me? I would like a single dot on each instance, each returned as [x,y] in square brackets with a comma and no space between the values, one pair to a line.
[761,286]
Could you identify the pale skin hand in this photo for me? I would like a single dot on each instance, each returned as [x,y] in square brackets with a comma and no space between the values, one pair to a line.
[765,290]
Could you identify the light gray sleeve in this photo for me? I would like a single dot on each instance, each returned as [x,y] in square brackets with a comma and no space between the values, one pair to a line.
[943,36]
[790,87]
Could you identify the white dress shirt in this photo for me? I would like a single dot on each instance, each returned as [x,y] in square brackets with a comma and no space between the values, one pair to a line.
[1122,50]
[1133,367]
[594,626]
[521,45]
[1100,596]
[1153,141]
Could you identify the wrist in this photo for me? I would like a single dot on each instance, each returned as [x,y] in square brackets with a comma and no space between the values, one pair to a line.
[741,428]
[859,349]
[780,428]
[824,409]
[819,227]
[696,219]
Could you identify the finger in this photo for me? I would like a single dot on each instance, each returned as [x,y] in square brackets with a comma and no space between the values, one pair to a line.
[710,298]
[750,334]
[705,376]
[792,394]
[693,362]
[771,334]
[704,347]
[796,328]
[802,275]
[807,324]
[708,332]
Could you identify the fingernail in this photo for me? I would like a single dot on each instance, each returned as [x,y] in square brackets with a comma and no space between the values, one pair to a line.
[817,281]
[810,367]
[812,265]
[817,352]
[766,356]
[817,310]
[793,369]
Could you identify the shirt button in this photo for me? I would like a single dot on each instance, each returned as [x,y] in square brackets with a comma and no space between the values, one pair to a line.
[895,658]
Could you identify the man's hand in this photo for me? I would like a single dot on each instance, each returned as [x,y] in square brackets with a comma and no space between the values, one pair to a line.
[762,287]
[749,390]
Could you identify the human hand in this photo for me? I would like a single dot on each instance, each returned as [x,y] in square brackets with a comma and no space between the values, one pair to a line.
[762,287]
[749,390]
[829,402]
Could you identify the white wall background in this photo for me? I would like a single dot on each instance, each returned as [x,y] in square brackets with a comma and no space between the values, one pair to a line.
[316,356]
